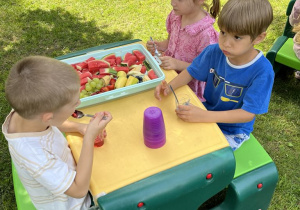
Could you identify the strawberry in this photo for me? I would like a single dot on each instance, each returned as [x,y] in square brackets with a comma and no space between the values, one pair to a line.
[104,89]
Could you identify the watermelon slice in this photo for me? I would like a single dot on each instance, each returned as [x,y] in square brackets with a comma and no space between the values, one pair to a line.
[81,65]
[108,71]
[90,59]
[127,55]
[151,74]
[118,60]
[140,56]
[129,61]
[109,56]
[121,68]
[143,69]
[111,61]
[95,65]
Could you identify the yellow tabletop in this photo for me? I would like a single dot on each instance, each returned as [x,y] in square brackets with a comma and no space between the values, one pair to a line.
[124,158]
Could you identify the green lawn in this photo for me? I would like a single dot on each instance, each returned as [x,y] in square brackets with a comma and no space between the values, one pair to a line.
[54,28]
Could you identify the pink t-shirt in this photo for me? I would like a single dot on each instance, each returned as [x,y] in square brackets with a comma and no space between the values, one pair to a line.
[187,43]
[294,17]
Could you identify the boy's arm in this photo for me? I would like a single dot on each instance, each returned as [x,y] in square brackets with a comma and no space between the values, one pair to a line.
[195,114]
[69,126]
[181,79]
[80,185]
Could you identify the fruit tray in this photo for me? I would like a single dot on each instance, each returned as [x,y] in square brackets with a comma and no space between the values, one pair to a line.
[123,91]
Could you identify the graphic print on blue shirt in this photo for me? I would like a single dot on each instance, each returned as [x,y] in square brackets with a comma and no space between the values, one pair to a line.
[230,89]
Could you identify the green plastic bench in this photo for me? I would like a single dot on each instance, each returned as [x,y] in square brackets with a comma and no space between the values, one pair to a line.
[254,180]
[22,198]
[281,53]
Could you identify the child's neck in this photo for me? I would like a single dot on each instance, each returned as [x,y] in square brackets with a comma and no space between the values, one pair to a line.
[19,124]
[244,59]
[193,17]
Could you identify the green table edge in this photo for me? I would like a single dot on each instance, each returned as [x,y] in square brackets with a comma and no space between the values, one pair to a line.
[169,190]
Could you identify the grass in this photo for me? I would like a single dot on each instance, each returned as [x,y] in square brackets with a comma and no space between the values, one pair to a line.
[54,28]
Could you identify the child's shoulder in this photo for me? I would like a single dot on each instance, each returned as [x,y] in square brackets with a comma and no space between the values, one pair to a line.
[214,49]
[265,62]
[262,66]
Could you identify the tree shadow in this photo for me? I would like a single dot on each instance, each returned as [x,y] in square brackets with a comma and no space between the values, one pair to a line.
[57,32]
[286,86]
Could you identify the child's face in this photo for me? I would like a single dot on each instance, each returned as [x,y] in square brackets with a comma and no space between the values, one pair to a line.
[238,49]
[65,112]
[183,7]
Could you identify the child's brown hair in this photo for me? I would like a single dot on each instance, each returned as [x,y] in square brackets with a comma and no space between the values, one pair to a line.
[214,10]
[246,17]
[39,84]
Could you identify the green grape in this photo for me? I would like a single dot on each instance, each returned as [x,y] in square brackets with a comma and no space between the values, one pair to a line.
[83,91]
[99,86]
[81,95]
[97,80]
[88,87]
[89,93]
[93,84]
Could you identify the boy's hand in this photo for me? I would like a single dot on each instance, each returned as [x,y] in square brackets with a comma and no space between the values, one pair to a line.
[190,113]
[98,124]
[163,88]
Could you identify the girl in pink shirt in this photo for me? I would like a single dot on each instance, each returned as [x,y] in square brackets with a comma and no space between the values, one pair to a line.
[190,29]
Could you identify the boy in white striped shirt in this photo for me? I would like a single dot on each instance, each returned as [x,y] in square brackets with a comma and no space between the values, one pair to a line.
[43,93]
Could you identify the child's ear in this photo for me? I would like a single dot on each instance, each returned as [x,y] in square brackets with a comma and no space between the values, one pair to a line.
[47,117]
[260,38]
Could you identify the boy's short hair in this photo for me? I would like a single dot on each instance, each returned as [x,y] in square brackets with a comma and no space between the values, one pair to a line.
[246,17]
[38,84]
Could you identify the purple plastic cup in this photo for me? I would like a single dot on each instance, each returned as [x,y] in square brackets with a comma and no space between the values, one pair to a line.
[154,128]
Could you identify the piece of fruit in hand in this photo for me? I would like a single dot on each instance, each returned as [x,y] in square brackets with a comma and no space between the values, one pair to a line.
[99,141]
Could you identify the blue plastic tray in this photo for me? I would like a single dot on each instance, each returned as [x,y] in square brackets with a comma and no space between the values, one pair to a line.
[125,91]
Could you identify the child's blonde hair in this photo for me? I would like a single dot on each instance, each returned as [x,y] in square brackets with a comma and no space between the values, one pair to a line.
[38,84]
[246,17]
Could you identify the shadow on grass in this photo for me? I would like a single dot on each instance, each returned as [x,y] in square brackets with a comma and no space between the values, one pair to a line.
[286,86]
[56,32]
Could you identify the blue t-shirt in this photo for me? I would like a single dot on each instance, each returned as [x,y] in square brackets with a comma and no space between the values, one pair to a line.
[230,87]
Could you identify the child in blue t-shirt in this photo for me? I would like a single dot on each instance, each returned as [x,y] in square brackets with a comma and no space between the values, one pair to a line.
[239,79]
